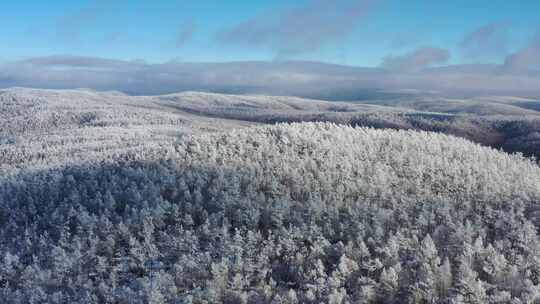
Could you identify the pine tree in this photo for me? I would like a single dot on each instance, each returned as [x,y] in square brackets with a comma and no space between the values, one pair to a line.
[388,285]
[444,279]
[468,289]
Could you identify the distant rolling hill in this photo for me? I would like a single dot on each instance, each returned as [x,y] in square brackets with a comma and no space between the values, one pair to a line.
[483,106]
[46,127]
[41,128]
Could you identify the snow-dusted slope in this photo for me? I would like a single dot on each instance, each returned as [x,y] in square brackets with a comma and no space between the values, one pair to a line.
[42,128]
[244,105]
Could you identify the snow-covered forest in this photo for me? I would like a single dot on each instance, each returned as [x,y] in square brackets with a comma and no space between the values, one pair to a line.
[41,128]
[270,152]
[301,213]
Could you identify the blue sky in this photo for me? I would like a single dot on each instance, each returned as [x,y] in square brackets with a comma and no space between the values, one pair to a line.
[150,30]
[275,47]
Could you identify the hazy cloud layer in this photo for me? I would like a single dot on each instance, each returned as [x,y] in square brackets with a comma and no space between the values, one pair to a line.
[309,79]
[525,59]
[491,39]
[301,29]
[416,60]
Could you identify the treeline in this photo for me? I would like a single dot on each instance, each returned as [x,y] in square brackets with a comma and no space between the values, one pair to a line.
[510,133]
[302,213]
[29,118]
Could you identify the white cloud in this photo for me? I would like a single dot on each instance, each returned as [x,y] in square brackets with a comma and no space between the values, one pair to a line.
[310,79]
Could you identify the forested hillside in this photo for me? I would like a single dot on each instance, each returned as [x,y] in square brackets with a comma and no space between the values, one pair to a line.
[46,127]
[301,213]
[270,152]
